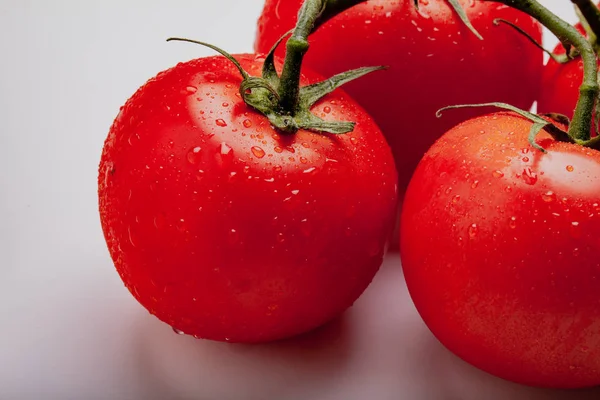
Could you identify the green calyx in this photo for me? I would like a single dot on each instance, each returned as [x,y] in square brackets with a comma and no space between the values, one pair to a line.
[281,99]
[262,94]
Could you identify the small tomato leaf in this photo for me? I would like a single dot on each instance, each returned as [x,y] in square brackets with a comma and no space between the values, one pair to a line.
[310,94]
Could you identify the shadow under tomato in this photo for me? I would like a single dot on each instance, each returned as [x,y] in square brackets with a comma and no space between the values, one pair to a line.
[184,367]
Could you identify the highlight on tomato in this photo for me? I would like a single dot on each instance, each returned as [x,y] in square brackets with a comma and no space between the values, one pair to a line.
[500,233]
[244,206]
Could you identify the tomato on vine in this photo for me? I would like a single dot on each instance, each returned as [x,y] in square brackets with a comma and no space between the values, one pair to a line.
[499,237]
[246,208]
[434,61]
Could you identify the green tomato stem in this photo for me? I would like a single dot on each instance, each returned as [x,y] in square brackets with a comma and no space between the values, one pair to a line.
[312,14]
[591,15]
[580,127]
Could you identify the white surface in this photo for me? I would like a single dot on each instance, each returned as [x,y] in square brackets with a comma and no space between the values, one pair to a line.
[69,329]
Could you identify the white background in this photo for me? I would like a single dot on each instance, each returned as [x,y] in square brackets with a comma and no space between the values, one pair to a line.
[68,327]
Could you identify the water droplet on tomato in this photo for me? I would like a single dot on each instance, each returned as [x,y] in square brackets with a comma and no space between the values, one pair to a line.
[529,177]
[525,159]
[456,199]
[159,221]
[233,236]
[221,122]
[575,230]
[257,151]
[309,170]
[570,168]
[448,190]
[130,234]
[194,156]
[353,140]
[326,109]
[549,196]
[508,189]
[497,174]
[305,227]
[295,192]
[473,230]
[247,123]
[277,168]
[303,160]
[512,223]
[280,237]
[474,184]
[177,331]
[191,89]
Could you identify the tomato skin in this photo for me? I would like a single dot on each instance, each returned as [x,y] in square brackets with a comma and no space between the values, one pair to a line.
[227,230]
[499,249]
[434,61]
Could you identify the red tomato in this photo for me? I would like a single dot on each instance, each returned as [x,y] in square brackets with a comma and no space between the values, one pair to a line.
[499,245]
[434,60]
[228,230]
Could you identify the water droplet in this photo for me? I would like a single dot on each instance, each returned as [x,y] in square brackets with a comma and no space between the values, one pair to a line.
[525,159]
[280,237]
[388,14]
[570,168]
[474,184]
[456,199]
[225,104]
[194,156]
[353,140]
[309,170]
[473,230]
[305,227]
[295,192]
[233,236]
[303,160]
[191,89]
[549,196]
[247,123]
[529,177]
[278,149]
[576,252]
[448,190]
[130,236]
[326,109]
[575,230]
[508,189]
[258,152]
[179,332]
[221,122]
[512,223]
[277,168]
[497,174]
[159,221]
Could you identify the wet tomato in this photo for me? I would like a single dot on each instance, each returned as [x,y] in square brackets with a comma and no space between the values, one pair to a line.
[227,229]
[499,246]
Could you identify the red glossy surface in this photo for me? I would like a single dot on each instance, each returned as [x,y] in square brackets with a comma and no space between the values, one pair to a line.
[227,230]
[499,245]
[434,61]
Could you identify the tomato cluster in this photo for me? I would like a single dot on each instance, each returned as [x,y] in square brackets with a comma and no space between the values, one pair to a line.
[248,208]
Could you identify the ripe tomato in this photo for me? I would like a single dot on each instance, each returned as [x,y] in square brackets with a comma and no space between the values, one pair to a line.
[434,61]
[226,229]
[499,246]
